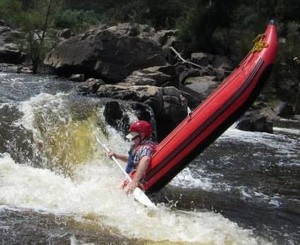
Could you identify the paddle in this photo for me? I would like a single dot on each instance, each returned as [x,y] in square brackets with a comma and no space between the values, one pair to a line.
[138,194]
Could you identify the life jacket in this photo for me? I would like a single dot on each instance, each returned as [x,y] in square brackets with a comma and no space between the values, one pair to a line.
[132,152]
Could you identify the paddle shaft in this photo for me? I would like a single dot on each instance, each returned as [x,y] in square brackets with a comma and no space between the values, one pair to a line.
[115,160]
[138,193]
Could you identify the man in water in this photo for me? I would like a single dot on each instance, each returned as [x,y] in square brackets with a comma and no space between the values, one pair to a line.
[139,156]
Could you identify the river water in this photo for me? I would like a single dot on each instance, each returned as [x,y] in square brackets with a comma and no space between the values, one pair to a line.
[58,187]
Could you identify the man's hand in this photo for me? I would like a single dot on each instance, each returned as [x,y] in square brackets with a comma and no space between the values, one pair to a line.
[111,154]
[130,187]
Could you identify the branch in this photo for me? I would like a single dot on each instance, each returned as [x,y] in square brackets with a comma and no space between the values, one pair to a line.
[185,61]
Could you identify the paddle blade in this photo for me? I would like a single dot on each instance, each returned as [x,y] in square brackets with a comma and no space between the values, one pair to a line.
[141,197]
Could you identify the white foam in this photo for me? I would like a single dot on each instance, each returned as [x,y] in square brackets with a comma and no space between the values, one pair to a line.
[254,137]
[186,179]
[92,191]
[287,130]
[283,144]
[41,101]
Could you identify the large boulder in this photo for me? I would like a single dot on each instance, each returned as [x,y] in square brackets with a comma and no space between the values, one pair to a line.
[284,109]
[154,76]
[286,82]
[200,88]
[168,105]
[10,45]
[257,120]
[109,53]
[11,53]
[117,114]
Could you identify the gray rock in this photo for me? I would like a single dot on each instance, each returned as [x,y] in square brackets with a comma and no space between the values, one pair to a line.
[167,103]
[284,109]
[256,121]
[110,53]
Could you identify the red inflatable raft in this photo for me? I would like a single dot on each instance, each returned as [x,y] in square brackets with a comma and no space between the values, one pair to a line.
[217,113]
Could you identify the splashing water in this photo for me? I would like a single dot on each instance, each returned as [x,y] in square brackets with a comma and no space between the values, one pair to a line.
[55,167]
[86,185]
[92,193]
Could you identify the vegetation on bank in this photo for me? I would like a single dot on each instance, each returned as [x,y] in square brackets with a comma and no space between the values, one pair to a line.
[214,26]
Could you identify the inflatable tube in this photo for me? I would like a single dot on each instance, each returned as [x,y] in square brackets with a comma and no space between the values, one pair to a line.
[215,114]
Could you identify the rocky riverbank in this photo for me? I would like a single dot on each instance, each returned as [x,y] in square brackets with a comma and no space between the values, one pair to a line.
[142,66]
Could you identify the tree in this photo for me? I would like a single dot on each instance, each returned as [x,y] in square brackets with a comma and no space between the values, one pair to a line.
[201,21]
[164,14]
[10,10]
[288,10]
[34,18]
[36,22]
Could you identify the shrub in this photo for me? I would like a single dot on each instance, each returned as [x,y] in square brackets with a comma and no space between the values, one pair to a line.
[76,19]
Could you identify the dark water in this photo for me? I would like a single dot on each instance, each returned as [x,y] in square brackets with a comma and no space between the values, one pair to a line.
[56,187]
[251,178]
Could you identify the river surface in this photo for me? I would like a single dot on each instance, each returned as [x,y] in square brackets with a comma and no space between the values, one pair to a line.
[58,187]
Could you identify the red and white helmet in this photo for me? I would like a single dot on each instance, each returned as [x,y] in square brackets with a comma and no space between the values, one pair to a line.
[141,127]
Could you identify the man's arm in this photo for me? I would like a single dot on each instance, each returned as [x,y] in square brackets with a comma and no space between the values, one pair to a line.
[139,173]
[121,157]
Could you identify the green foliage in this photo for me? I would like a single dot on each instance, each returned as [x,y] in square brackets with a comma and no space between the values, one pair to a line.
[34,18]
[10,10]
[164,14]
[246,24]
[288,10]
[133,11]
[199,23]
[290,44]
[76,19]
[187,24]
